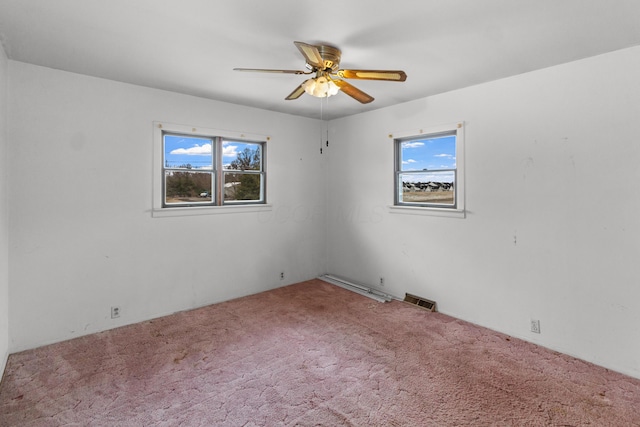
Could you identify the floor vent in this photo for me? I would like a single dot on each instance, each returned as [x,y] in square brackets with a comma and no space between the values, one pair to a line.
[357,288]
[420,302]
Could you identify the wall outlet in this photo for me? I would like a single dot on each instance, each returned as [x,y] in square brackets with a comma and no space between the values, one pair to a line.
[381,281]
[535,326]
[115,312]
[282,275]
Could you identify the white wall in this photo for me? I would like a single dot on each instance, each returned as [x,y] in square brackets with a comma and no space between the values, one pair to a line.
[4,221]
[552,229]
[81,233]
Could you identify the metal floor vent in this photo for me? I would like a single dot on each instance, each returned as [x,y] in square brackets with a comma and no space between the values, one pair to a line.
[420,302]
[357,288]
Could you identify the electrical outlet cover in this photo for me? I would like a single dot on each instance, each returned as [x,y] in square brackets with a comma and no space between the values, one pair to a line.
[535,326]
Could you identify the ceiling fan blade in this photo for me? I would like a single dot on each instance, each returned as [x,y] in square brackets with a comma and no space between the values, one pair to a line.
[264,70]
[389,75]
[297,92]
[311,54]
[353,92]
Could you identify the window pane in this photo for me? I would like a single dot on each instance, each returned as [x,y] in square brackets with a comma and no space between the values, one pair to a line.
[187,187]
[242,186]
[432,153]
[241,156]
[187,152]
[432,187]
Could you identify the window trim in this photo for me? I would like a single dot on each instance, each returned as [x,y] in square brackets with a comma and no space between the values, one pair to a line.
[158,207]
[458,211]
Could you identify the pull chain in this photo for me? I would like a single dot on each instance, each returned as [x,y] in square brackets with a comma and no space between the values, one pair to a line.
[327,134]
[321,121]
[322,124]
[327,124]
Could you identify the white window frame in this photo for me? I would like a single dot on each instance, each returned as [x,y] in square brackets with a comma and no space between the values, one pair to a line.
[457,211]
[160,210]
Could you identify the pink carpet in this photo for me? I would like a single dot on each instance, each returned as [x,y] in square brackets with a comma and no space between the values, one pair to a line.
[309,354]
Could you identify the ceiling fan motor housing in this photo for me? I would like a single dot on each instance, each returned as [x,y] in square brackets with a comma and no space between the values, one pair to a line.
[330,57]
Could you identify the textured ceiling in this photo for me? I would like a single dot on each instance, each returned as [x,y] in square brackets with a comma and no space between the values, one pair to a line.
[192,46]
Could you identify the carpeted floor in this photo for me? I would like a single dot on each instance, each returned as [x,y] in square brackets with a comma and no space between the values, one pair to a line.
[310,354]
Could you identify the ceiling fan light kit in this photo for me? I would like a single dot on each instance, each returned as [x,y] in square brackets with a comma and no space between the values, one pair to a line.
[320,87]
[325,62]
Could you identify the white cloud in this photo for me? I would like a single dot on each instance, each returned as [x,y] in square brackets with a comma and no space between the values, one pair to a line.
[412,144]
[196,150]
[443,155]
[229,150]
[406,162]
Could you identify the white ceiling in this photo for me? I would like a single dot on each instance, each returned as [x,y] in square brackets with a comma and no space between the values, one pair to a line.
[192,46]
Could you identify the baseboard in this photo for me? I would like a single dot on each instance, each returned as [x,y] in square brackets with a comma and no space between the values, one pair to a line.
[358,288]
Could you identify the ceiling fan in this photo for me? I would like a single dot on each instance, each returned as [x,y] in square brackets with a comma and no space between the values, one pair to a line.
[324,61]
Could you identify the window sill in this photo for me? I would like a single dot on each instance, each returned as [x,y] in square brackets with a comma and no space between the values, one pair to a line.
[414,210]
[208,210]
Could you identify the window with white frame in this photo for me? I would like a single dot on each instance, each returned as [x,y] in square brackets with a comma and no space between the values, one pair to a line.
[429,170]
[198,168]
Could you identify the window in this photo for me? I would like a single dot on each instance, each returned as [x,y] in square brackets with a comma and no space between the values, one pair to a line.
[194,164]
[200,168]
[429,169]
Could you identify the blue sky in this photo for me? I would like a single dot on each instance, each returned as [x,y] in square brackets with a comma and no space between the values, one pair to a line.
[180,150]
[428,155]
